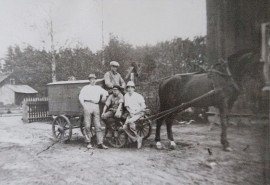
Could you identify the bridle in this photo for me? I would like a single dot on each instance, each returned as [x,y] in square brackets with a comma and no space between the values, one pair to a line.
[228,73]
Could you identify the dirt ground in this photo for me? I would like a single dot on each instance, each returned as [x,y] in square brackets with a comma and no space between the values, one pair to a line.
[190,163]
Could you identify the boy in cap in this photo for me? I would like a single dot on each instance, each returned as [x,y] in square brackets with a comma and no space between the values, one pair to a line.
[89,98]
[135,105]
[112,77]
[114,104]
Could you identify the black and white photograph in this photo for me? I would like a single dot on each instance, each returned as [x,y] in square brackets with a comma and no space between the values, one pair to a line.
[134,92]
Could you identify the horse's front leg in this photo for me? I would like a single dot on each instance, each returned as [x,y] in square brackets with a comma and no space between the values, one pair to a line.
[224,120]
[157,138]
[169,123]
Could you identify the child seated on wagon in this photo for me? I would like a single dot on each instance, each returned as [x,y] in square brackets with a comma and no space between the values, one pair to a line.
[113,105]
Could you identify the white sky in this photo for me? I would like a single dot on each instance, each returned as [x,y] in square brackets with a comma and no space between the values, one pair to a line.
[138,22]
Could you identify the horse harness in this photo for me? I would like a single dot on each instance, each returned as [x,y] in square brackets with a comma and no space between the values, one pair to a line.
[228,73]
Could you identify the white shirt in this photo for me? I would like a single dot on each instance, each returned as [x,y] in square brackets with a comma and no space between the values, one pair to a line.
[92,92]
[135,102]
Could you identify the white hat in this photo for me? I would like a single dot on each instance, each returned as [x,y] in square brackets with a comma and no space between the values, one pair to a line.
[114,63]
[92,76]
[130,84]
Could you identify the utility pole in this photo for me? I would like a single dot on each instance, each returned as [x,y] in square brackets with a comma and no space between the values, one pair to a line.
[103,54]
[52,52]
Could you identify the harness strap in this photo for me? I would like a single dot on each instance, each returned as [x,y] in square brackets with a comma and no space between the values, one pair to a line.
[229,74]
[218,72]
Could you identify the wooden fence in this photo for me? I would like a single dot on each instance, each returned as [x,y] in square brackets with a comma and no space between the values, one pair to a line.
[36,109]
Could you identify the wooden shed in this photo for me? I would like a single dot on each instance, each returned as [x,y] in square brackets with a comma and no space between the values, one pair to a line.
[12,92]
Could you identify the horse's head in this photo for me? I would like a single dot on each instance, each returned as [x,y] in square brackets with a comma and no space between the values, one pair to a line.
[246,65]
[247,70]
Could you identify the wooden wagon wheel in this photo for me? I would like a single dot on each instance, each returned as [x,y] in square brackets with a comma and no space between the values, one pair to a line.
[144,128]
[62,128]
[117,139]
[115,136]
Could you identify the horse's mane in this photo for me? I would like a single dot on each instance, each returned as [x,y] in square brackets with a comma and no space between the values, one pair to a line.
[238,61]
[240,54]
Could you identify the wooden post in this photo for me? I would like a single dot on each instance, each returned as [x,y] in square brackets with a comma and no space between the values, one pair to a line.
[52,52]
[25,112]
[266,54]
[132,78]
[265,57]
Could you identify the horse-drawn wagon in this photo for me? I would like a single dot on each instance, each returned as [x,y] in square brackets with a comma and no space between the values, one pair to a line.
[67,112]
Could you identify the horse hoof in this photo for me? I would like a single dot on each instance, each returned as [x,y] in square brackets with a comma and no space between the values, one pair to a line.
[172,145]
[158,145]
[228,149]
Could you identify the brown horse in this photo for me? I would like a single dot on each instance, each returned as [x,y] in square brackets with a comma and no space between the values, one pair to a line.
[179,89]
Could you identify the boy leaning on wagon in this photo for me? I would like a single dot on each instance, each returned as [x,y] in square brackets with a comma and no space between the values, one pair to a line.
[112,77]
[135,105]
[89,98]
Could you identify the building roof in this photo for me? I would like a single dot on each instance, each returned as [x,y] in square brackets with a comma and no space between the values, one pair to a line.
[22,89]
[4,76]
[75,82]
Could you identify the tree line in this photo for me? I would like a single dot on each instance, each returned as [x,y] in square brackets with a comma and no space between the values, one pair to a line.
[33,66]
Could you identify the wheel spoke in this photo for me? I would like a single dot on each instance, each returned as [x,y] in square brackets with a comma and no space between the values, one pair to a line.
[57,126]
[65,124]
[140,132]
[66,128]
[60,122]
[114,141]
[145,124]
[62,136]
[144,133]
[122,136]
[57,136]
[57,123]
[119,141]
[146,129]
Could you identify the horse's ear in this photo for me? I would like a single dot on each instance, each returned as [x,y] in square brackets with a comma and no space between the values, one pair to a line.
[136,68]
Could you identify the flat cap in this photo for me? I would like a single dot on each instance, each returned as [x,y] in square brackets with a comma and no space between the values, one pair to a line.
[116,87]
[114,63]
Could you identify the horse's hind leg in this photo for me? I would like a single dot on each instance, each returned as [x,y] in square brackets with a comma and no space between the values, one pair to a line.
[169,123]
[224,123]
[157,138]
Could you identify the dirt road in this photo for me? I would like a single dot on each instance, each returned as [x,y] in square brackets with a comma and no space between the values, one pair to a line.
[72,163]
